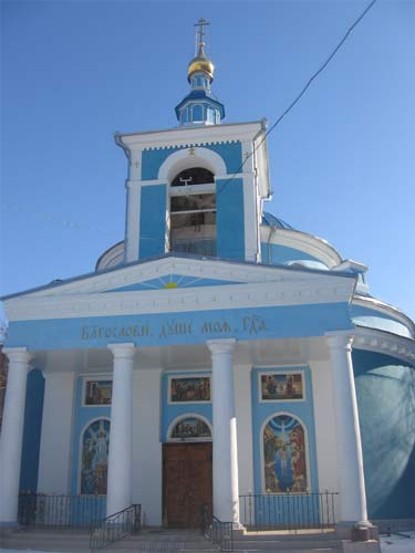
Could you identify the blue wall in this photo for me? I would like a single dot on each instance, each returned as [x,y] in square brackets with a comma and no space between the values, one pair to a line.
[364,316]
[386,399]
[163,329]
[273,254]
[262,411]
[32,431]
[230,219]
[84,415]
[171,411]
[152,221]
[231,152]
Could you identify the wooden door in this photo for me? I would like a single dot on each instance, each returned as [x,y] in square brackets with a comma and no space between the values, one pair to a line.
[187,483]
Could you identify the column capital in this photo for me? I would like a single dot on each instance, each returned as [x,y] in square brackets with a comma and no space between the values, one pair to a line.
[21,354]
[122,351]
[221,346]
[340,340]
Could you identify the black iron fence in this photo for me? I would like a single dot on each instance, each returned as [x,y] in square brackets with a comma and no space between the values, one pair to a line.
[218,532]
[60,511]
[288,511]
[115,527]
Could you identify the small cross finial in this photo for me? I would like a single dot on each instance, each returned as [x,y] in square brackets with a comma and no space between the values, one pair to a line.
[200,33]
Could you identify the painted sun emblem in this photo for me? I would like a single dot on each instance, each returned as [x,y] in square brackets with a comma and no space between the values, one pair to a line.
[168,285]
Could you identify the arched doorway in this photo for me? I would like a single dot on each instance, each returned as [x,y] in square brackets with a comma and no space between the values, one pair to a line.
[187,473]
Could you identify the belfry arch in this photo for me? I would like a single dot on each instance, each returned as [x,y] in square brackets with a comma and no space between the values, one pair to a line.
[191,221]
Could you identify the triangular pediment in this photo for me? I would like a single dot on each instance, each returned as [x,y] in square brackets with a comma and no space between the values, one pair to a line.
[171,272]
[181,284]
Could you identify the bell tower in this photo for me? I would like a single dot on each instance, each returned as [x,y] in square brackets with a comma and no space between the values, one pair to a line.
[197,188]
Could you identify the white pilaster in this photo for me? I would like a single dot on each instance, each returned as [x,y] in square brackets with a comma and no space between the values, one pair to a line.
[12,433]
[132,230]
[120,445]
[225,450]
[353,508]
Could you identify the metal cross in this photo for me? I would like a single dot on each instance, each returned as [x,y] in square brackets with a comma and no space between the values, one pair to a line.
[201,24]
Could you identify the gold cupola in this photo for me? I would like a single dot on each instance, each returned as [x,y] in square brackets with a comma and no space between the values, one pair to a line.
[200,63]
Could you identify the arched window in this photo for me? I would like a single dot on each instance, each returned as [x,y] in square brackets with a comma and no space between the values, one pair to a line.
[94,457]
[284,449]
[190,427]
[193,212]
[197,112]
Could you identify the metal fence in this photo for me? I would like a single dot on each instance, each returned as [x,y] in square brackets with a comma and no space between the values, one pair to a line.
[288,511]
[115,527]
[218,532]
[60,511]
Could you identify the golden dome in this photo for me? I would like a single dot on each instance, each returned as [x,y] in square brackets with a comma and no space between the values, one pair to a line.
[200,64]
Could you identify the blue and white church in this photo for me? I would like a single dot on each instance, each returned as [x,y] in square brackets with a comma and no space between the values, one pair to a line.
[215,355]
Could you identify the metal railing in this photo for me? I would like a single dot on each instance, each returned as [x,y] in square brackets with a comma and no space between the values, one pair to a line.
[218,532]
[288,511]
[201,246]
[60,510]
[115,527]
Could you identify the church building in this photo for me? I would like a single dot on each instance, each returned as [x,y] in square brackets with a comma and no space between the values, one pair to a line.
[216,359]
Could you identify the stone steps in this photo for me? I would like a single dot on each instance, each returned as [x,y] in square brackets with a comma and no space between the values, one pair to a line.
[170,541]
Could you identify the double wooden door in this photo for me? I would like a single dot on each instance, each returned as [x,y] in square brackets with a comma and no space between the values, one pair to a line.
[187,483]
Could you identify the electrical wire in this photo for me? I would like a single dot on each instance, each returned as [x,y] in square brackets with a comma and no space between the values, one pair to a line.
[304,90]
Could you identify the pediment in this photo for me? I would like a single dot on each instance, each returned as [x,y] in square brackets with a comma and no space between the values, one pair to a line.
[174,284]
[173,272]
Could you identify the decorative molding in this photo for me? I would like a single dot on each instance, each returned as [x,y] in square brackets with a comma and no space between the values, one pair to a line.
[139,271]
[113,257]
[191,136]
[384,342]
[310,244]
[393,312]
[294,289]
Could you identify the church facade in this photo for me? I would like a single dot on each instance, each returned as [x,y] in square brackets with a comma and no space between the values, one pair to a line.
[214,354]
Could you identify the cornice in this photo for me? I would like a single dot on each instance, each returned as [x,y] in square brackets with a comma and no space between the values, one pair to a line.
[380,341]
[243,272]
[307,291]
[313,245]
[191,136]
[385,308]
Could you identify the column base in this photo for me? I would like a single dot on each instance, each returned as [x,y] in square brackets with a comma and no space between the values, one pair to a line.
[357,531]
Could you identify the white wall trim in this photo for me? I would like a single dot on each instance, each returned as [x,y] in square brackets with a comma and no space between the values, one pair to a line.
[187,158]
[313,245]
[384,342]
[297,292]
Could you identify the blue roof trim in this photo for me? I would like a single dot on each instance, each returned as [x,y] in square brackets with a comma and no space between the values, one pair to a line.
[200,95]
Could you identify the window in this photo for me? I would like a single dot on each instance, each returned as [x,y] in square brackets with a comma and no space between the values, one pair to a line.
[193,212]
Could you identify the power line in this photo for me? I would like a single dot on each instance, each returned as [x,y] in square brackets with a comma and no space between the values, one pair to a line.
[305,88]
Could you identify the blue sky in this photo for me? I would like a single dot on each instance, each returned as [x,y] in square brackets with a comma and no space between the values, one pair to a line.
[342,161]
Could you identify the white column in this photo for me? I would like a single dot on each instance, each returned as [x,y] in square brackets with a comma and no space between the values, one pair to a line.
[225,450]
[12,433]
[120,446]
[353,508]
